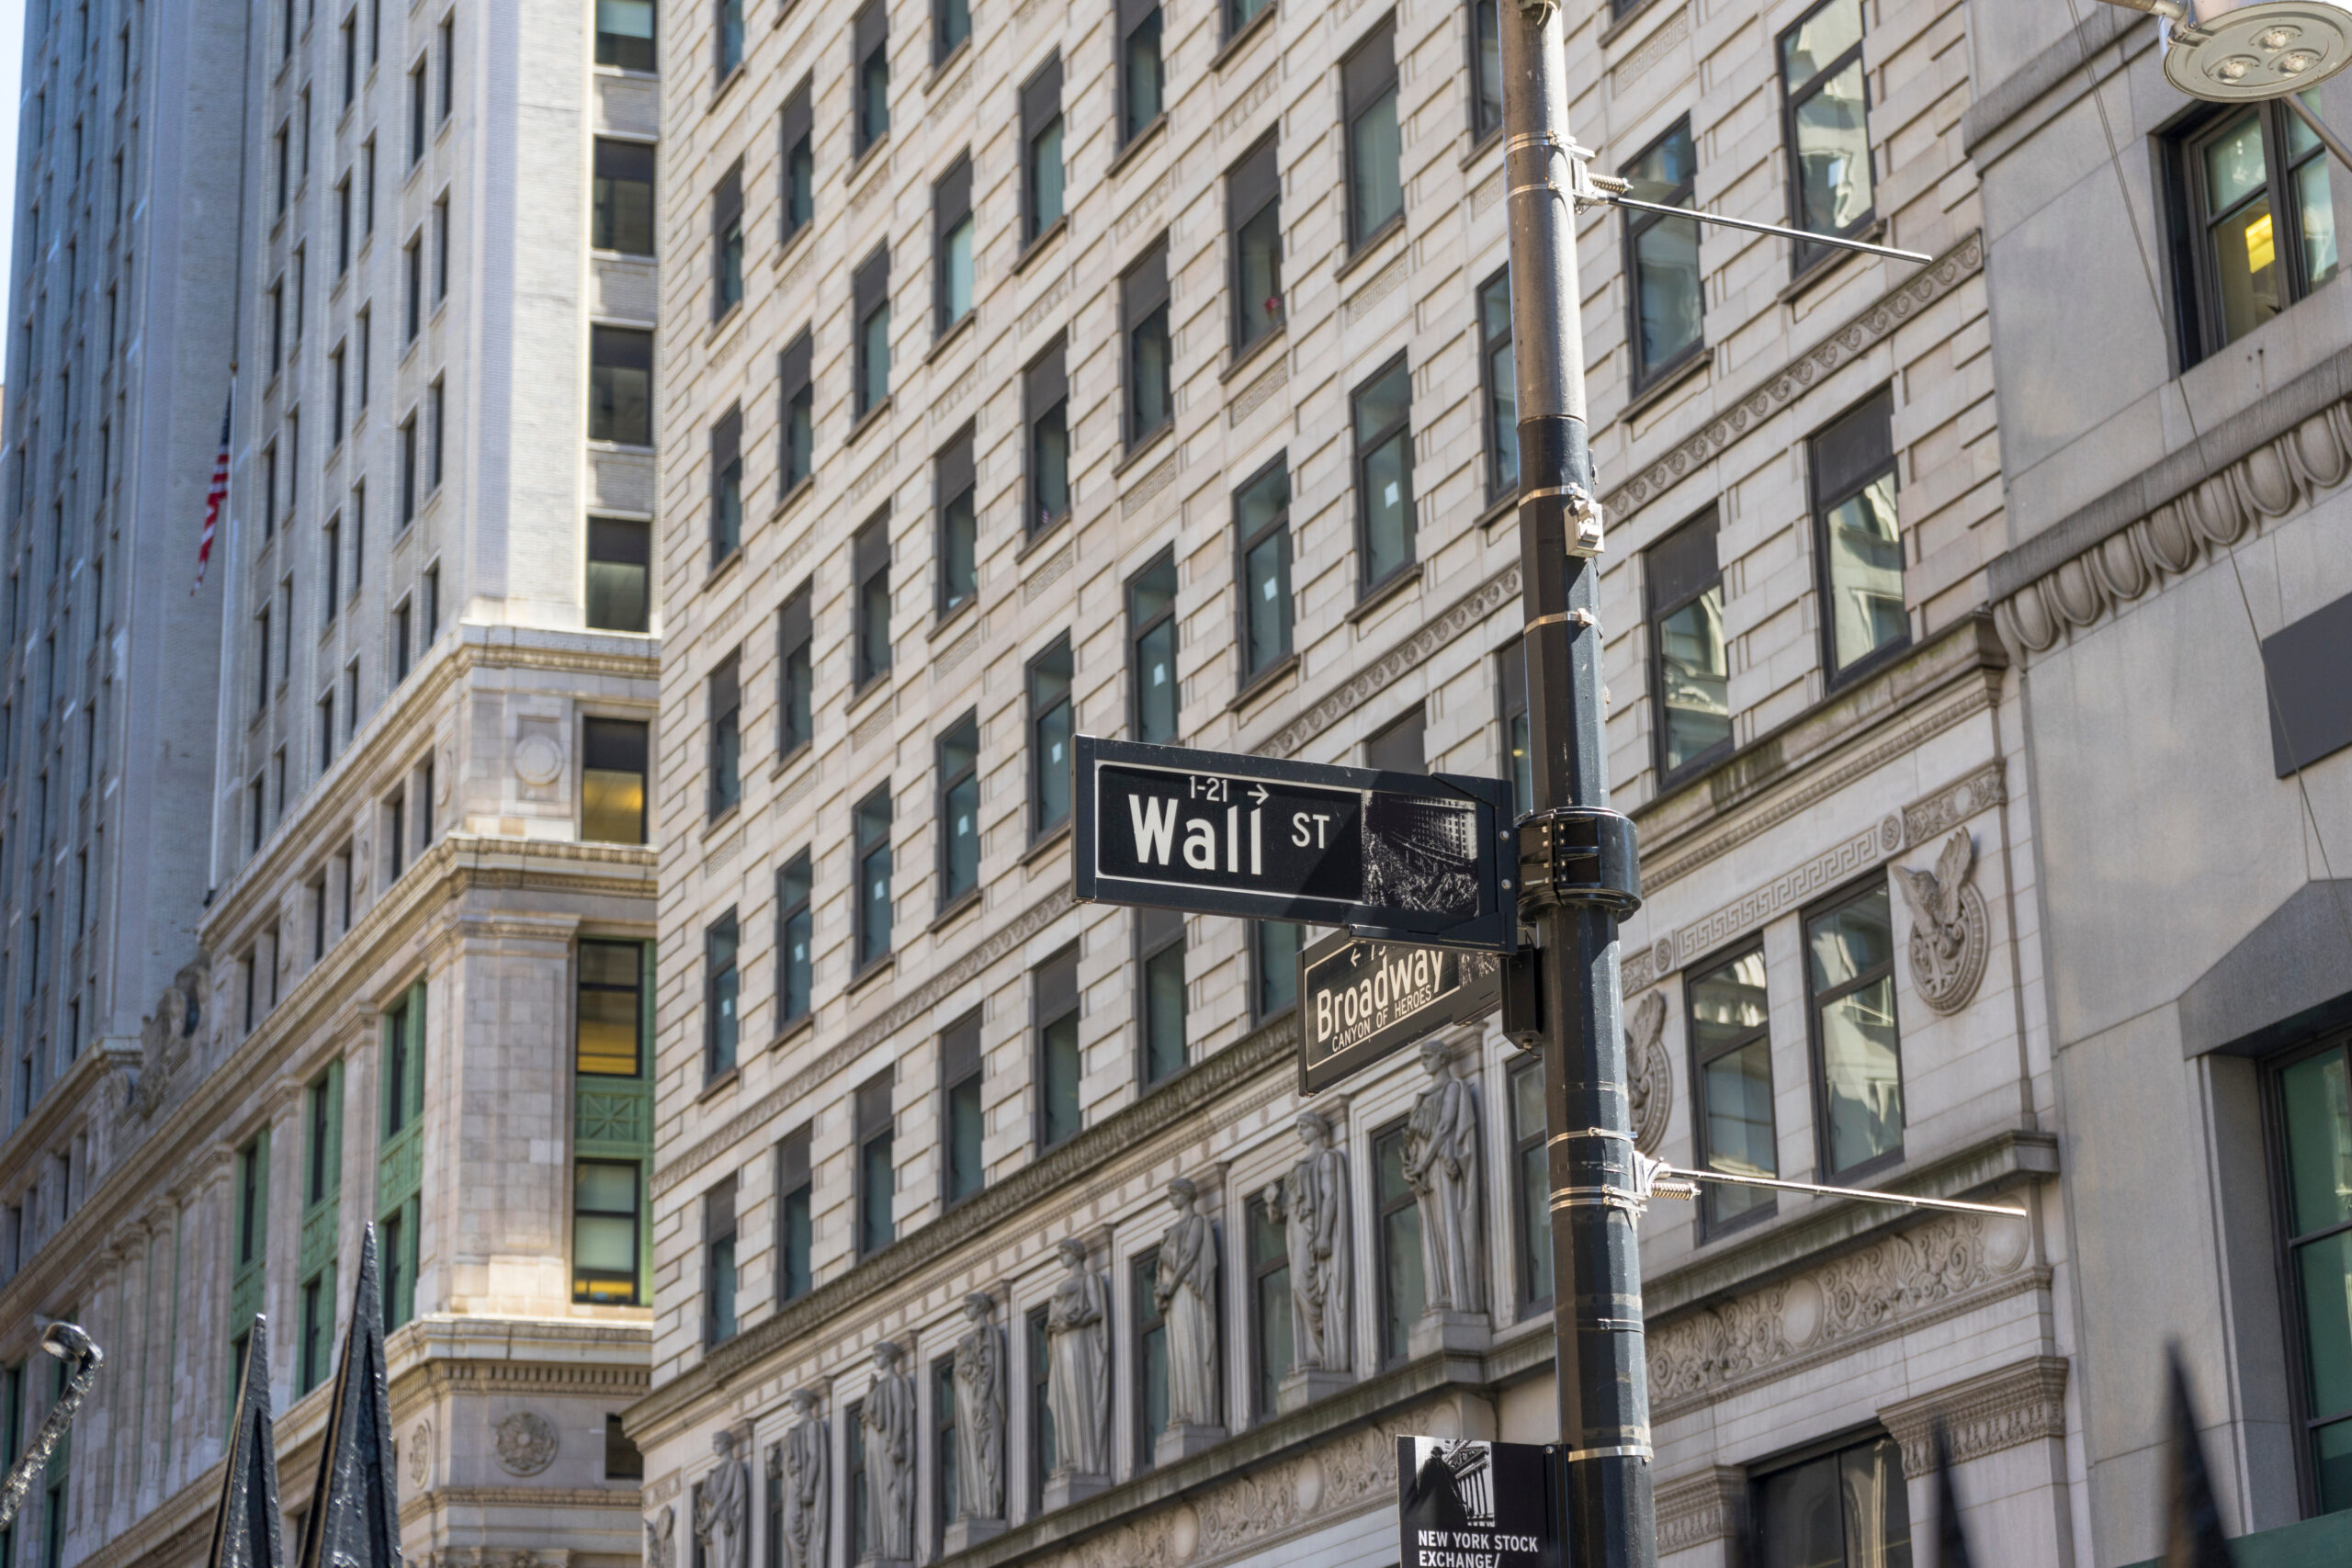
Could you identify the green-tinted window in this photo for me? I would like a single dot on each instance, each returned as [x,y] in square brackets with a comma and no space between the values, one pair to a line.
[2315,1097]
[606,1212]
[1403,1290]
[1850,969]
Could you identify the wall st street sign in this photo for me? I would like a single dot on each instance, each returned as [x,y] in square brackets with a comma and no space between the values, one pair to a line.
[1407,857]
[1361,1000]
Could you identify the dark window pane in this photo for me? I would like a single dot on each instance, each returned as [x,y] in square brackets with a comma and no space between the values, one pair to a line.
[619,574]
[622,219]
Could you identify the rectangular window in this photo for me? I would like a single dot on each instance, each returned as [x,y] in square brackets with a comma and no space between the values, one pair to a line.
[620,574]
[283,150]
[620,386]
[1858,1051]
[400,618]
[795,934]
[335,410]
[870,623]
[951,245]
[1665,301]
[1376,152]
[726,230]
[877,1173]
[1054,998]
[613,772]
[729,53]
[1261,563]
[726,699]
[441,248]
[800,194]
[796,1228]
[1498,372]
[718,1262]
[342,230]
[1142,81]
[437,429]
[625,34]
[1530,1188]
[1041,151]
[958,525]
[870,76]
[409,491]
[963,1127]
[960,810]
[1160,995]
[1689,669]
[1143,324]
[1152,685]
[1273,968]
[1517,745]
[359,382]
[726,486]
[722,983]
[1826,105]
[871,842]
[1396,1234]
[1269,1308]
[951,28]
[417,107]
[944,1444]
[318,1330]
[621,208]
[1253,191]
[609,1032]
[2311,1094]
[870,301]
[797,416]
[350,41]
[276,327]
[1150,1373]
[413,273]
[1859,548]
[1384,475]
[1847,1508]
[623,1461]
[2252,222]
[796,669]
[448,40]
[1050,726]
[607,1222]
[855,1485]
[1045,413]
[1730,1062]
[1485,68]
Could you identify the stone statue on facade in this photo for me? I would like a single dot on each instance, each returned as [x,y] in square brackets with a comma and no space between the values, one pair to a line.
[1078,1382]
[662,1539]
[979,1426]
[889,1421]
[723,1507]
[798,1464]
[1311,1204]
[1441,1166]
[1185,1292]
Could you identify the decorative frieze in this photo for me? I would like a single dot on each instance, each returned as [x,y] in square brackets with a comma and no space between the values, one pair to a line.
[1254,396]
[1637,66]
[1147,489]
[1471,610]
[1144,208]
[1049,571]
[1040,311]
[1383,283]
[1261,91]
[2018,1404]
[1695,1509]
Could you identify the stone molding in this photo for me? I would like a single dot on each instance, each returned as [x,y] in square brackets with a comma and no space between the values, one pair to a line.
[1748,414]
[2283,475]
[1693,1510]
[1903,1281]
[906,1010]
[1637,66]
[1471,610]
[441,1499]
[1941,810]
[2017,1405]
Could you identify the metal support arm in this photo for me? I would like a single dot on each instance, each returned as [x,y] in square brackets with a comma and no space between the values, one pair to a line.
[69,1344]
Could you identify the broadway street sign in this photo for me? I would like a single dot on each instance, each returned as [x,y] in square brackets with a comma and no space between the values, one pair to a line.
[1408,857]
[1360,1000]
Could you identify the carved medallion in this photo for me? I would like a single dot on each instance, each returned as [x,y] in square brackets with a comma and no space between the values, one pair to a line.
[526,1443]
[537,760]
[1948,931]
[420,1455]
[1652,1072]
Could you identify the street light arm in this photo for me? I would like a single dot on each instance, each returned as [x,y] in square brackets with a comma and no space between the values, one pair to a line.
[2171,10]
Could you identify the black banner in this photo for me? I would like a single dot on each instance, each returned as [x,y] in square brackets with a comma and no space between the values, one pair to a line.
[1360,1000]
[1462,1504]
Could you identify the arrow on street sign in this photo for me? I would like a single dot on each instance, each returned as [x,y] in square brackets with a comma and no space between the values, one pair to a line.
[1407,857]
[1360,1000]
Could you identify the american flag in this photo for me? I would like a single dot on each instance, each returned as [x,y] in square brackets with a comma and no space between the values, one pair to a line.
[216,492]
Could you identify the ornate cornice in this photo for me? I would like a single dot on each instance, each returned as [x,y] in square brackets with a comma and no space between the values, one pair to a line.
[1471,610]
[1695,1509]
[2117,559]
[1748,415]
[2003,1409]
[841,1056]
[442,1499]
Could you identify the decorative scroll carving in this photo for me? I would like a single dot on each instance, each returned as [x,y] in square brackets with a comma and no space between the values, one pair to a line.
[980,1413]
[1949,932]
[662,1539]
[2005,1409]
[1652,1071]
[1695,1509]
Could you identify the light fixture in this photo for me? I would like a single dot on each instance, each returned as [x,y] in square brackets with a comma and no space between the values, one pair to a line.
[2244,50]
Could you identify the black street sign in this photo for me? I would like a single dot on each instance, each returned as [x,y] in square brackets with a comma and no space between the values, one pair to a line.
[1360,1000]
[1409,857]
[1462,1504]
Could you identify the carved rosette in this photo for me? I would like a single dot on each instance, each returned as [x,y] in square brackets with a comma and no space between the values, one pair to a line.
[526,1443]
[1651,1070]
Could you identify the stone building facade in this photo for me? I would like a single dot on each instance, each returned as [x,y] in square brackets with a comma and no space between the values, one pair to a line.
[2172,590]
[393,953]
[1003,418]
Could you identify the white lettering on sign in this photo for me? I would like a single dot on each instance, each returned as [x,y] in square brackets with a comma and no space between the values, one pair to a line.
[1154,827]
[1302,836]
[1154,820]
[1407,979]
[1468,1548]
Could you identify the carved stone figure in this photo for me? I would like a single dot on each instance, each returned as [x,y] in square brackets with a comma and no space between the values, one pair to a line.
[1948,927]
[889,1420]
[723,1507]
[1651,1071]
[980,1413]
[1311,1203]
[1078,1383]
[662,1539]
[1442,1167]
[164,1036]
[800,1465]
[1186,1293]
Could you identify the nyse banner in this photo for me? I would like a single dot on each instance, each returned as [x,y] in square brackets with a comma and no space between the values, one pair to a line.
[1472,1505]
[1360,1000]
[1403,856]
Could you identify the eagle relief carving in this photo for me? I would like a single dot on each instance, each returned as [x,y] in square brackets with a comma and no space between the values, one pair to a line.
[1650,1070]
[1949,938]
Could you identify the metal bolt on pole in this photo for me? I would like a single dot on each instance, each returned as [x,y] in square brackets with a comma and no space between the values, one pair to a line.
[1577,857]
